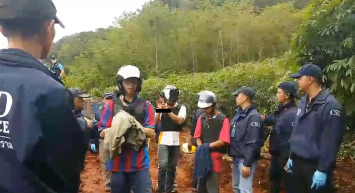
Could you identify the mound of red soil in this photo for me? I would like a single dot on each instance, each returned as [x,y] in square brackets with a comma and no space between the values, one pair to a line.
[92,181]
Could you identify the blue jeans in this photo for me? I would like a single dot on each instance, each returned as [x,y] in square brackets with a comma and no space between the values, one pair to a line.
[138,182]
[242,184]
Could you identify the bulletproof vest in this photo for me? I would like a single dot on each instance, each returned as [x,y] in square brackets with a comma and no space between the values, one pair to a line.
[167,124]
[55,69]
[136,110]
[211,129]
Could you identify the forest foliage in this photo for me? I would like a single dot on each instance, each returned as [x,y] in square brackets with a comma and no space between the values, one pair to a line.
[220,45]
[161,41]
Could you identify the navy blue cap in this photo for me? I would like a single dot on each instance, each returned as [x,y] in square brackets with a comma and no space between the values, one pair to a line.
[291,88]
[249,92]
[28,10]
[78,93]
[309,70]
[108,95]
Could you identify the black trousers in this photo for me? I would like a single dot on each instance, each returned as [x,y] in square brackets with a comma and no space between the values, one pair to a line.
[278,176]
[303,170]
[209,184]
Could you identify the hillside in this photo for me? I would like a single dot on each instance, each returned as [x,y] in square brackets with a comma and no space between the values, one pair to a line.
[220,45]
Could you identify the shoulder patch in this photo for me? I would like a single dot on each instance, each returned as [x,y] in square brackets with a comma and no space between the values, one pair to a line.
[255,124]
[299,111]
[335,112]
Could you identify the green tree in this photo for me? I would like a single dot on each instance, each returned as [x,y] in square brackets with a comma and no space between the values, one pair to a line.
[326,38]
[163,41]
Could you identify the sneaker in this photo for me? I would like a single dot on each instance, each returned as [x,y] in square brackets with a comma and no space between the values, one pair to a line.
[174,189]
[107,188]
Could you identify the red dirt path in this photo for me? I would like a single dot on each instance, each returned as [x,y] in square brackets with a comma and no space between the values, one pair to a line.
[92,180]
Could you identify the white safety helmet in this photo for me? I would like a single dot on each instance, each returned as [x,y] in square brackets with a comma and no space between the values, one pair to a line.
[125,72]
[171,93]
[206,99]
[128,71]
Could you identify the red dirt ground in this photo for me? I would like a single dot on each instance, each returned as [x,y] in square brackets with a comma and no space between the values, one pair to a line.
[92,181]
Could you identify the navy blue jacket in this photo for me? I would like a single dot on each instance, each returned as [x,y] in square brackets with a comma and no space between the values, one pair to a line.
[80,118]
[247,135]
[94,134]
[203,161]
[194,119]
[97,116]
[318,132]
[282,121]
[42,146]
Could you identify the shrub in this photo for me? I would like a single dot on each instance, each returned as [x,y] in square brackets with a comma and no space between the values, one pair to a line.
[262,77]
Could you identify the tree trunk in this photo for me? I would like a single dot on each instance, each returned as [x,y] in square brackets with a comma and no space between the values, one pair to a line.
[222,47]
[231,59]
[238,42]
[156,54]
[194,65]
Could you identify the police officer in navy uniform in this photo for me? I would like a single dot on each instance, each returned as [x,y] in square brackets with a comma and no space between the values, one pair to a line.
[282,121]
[43,147]
[79,105]
[247,137]
[94,134]
[316,136]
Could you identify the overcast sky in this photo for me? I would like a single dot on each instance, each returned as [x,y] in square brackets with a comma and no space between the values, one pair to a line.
[87,15]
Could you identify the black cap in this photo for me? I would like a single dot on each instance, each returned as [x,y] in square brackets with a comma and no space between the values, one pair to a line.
[249,92]
[78,93]
[309,70]
[28,10]
[108,95]
[291,88]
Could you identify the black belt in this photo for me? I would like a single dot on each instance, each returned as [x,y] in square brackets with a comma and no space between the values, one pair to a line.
[303,159]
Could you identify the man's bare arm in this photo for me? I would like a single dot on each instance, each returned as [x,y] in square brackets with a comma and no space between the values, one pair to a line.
[217,144]
[62,73]
[176,119]
[149,132]
[198,141]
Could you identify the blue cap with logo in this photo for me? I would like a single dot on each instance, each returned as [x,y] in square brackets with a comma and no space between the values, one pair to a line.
[28,10]
[291,88]
[78,93]
[247,91]
[309,70]
[108,95]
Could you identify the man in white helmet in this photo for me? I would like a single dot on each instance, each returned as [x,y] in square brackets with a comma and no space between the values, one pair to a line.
[212,131]
[130,169]
[172,116]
